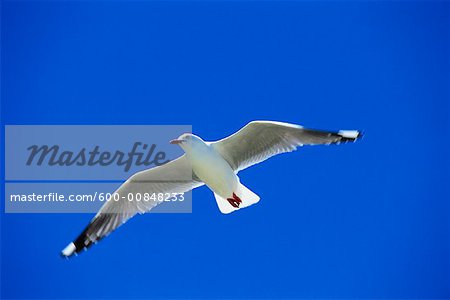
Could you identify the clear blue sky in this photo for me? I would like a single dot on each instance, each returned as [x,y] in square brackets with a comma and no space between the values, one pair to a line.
[369,219]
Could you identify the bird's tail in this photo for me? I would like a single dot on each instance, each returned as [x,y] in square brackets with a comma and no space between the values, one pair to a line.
[242,197]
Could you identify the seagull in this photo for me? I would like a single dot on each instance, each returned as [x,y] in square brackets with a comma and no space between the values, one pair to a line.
[214,164]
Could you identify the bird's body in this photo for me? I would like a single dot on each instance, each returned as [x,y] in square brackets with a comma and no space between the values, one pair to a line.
[209,166]
[215,164]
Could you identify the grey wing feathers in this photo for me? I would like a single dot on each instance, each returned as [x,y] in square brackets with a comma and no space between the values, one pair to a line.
[173,177]
[260,140]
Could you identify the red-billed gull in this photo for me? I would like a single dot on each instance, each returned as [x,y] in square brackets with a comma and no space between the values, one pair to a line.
[215,164]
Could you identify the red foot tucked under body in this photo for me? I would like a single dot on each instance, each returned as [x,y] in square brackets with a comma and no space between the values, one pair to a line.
[235,201]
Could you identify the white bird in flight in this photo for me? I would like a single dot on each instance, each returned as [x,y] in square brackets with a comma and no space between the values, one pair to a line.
[215,164]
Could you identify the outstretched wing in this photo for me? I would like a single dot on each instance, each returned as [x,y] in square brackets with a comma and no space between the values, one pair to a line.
[173,177]
[260,140]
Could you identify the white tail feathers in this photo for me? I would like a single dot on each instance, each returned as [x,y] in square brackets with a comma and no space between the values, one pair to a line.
[243,193]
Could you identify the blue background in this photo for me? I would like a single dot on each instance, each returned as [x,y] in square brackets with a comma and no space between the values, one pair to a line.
[369,219]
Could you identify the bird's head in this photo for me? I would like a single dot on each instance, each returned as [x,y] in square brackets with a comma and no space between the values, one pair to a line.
[187,141]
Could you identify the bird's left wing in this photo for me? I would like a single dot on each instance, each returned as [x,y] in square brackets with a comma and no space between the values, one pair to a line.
[260,140]
[173,177]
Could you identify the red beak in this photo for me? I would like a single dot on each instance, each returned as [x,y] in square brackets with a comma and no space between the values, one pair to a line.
[176,142]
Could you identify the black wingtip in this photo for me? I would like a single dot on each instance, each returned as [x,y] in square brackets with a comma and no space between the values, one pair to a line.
[86,239]
[70,250]
[349,136]
[80,243]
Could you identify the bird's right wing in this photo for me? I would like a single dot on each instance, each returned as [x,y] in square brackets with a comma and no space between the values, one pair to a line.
[173,177]
[260,140]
